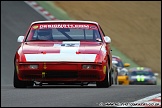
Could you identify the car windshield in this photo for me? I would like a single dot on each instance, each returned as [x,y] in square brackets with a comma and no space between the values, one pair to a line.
[85,32]
[145,73]
[119,63]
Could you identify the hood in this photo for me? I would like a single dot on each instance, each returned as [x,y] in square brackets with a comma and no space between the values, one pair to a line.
[62,47]
[67,51]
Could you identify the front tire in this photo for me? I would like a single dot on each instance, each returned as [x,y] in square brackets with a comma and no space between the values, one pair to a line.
[21,84]
[105,83]
[111,74]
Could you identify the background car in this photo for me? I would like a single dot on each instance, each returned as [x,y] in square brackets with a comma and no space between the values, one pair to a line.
[122,70]
[114,75]
[142,76]
[116,60]
[123,78]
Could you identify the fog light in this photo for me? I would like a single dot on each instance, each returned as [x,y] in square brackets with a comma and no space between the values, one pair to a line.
[33,66]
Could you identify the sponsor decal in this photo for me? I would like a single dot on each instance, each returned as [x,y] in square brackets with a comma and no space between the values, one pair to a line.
[76,26]
[35,27]
[45,26]
[67,45]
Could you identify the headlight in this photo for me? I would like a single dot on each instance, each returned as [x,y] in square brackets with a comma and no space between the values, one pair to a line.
[33,66]
[28,66]
[88,67]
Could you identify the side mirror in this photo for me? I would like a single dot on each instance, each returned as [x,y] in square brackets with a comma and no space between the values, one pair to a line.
[126,64]
[107,39]
[20,39]
[156,74]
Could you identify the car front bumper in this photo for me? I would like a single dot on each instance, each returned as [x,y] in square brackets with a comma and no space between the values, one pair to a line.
[60,72]
[142,83]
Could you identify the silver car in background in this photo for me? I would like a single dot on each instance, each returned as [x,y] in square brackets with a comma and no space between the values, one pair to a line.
[142,76]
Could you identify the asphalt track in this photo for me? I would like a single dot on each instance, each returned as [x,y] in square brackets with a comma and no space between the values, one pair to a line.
[16,17]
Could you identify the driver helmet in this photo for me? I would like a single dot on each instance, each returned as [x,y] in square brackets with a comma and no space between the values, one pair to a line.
[44,34]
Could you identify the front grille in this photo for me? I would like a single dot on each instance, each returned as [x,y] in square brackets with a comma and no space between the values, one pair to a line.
[61,74]
[88,76]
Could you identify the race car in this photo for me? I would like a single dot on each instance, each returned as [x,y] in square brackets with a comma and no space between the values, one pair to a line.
[63,52]
[116,60]
[115,75]
[122,77]
[142,76]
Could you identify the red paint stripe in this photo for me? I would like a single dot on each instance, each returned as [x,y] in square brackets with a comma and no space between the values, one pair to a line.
[157,100]
[53,18]
[48,14]
[149,106]
[35,5]
[41,10]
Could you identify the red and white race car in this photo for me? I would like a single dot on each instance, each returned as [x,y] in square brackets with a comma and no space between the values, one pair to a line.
[63,52]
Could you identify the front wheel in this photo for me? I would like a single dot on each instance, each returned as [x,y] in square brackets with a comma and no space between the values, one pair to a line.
[20,84]
[105,83]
